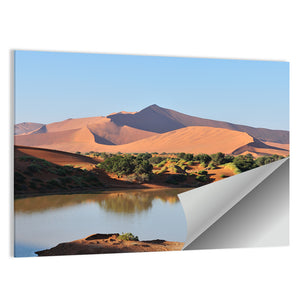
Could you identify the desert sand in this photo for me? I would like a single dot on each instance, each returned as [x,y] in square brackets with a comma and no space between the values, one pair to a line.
[158,119]
[153,129]
[109,243]
[194,139]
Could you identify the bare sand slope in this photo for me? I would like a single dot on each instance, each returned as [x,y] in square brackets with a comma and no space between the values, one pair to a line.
[72,136]
[25,127]
[109,243]
[73,123]
[258,148]
[115,134]
[158,119]
[194,139]
[278,145]
[99,130]
[56,157]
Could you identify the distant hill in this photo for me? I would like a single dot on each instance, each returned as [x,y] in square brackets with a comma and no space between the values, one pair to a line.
[26,127]
[153,129]
[157,119]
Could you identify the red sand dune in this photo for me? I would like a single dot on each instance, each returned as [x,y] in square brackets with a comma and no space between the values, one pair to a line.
[194,139]
[158,119]
[99,130]
[259,148]
[278,145]
[54,156]
[25,127]
[115,134]
[153,129]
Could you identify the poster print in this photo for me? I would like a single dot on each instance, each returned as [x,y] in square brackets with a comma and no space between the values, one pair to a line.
[105,143]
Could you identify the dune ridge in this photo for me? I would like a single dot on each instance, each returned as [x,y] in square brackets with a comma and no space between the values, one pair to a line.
[158,119]
[193,139]
[153,129]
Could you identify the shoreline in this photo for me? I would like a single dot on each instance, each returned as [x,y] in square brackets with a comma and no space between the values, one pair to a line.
[100,243]
[149,187]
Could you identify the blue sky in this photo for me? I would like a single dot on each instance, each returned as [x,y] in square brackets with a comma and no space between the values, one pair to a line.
[54,86]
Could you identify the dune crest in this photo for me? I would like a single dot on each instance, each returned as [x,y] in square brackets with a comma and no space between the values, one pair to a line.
[194,139]
[153,129]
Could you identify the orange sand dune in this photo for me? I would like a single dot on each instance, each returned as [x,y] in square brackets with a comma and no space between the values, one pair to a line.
[115,134]
[101,130]
[54,156]
[258,148]
[25,127]
[194,139]
[72,136]
[73,123]
[277,145]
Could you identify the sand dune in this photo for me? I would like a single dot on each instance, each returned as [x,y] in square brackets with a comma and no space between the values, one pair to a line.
[56,157]
[278,145]
[258,148]
[115,134]
[194,139]
[158,119]
[89,130]
[153,129]
[25,127]
[72,136]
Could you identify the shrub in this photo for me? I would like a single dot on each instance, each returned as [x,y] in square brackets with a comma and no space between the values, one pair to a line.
[161,164]
[18,177]
[121,165]
[212,166]
[186,156]
[233,167]
[244,162]
[45,163]
[203,159]
[33,168]
[218,158]
[202,178]
[144,156]
[228,159]
[175,169]
[144,178]
[132,177]
[66,180]
[62,172]
[26,158]
[53,170]
[162,170]
[156,160]
[128,237]
[143,167]
[176,178]
[32,185]
[263,160]
[202,172]
[53,182]
[36,179]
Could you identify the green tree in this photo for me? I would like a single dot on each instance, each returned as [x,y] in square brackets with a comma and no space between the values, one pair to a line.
[203,158]
[218,158]
[244,162]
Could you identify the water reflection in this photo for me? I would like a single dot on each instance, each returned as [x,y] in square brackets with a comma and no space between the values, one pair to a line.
[121,202]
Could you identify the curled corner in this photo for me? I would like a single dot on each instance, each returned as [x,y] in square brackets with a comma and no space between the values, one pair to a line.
[250,209]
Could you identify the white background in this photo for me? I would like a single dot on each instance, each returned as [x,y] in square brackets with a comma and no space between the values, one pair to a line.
[266,30]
